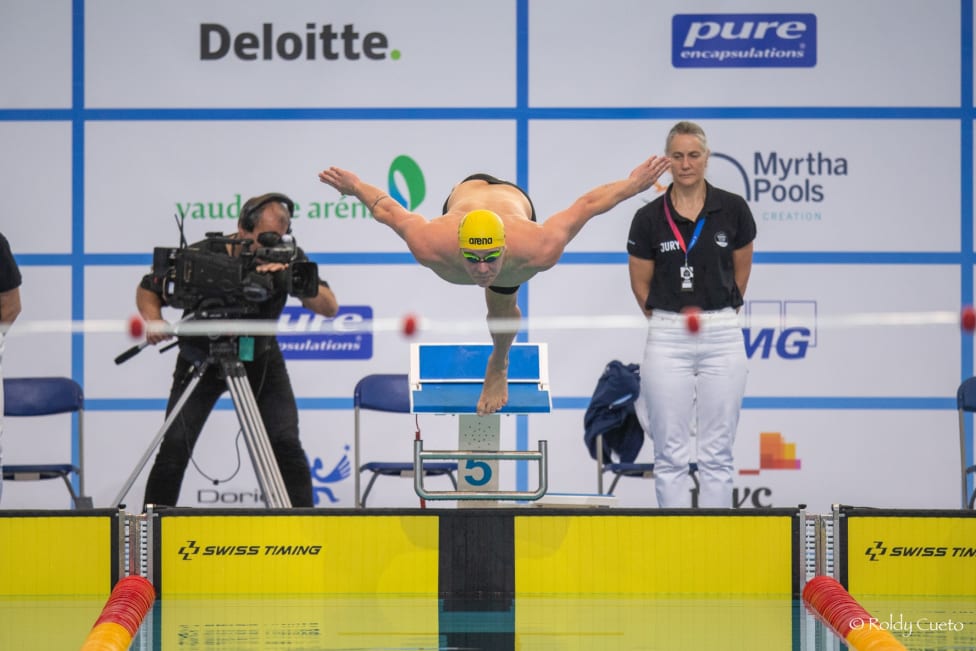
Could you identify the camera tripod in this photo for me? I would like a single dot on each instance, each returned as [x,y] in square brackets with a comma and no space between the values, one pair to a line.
[224,353]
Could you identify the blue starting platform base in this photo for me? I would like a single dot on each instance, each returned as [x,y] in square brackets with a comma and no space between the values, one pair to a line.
[448,378]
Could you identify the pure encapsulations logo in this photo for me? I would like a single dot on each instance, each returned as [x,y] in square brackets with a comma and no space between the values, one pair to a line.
[744,40]
[347,335]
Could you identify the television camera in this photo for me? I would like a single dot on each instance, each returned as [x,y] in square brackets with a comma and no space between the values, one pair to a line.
[203,274]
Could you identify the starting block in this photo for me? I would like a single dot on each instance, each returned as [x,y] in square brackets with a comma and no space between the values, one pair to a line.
[447,379]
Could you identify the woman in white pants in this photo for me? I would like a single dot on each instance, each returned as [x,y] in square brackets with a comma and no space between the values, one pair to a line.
[691,254]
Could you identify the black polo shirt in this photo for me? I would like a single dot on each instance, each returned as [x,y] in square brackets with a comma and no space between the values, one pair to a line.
[9,271]
[728,226]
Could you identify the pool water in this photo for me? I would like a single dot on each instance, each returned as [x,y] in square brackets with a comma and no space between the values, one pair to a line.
[591,623]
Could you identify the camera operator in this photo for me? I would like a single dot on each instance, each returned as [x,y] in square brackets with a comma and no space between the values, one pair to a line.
[266,373]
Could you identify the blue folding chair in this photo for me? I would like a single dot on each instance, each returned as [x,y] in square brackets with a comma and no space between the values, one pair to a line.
[389,393]
[613,432]
[966,402]
[620,470]
[47,396]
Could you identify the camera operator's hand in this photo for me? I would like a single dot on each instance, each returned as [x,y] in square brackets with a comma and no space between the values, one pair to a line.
[157,330]
[270,267]
[150,307]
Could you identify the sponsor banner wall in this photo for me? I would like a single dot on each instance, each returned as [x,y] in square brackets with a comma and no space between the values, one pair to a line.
[782,458]
[860,457]
[40,175]
[305,54]
[35,54]
[735,54]
[830,185]
[801,333]
[177,162]
[41,352]
[855,159]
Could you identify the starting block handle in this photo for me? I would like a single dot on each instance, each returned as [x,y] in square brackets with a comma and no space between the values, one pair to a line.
[419,455]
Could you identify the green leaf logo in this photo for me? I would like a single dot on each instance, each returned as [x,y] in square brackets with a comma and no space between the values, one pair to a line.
[406,182]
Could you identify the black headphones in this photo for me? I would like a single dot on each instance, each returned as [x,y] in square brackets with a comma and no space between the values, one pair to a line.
[251,209]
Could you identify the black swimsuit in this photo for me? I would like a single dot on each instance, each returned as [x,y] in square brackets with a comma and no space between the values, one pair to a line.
[488,178]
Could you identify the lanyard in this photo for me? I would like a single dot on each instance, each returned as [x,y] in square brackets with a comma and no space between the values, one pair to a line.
[677,233]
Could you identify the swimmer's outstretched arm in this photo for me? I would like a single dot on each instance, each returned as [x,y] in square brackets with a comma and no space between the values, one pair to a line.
[563,226]
[408,225]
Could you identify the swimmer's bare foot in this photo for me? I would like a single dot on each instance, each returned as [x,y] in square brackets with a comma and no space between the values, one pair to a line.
[494,393]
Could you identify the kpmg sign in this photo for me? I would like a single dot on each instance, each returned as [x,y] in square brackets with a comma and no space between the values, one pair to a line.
[744,40]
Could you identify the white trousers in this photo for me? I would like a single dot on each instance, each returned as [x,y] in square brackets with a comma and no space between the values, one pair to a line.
[692,384]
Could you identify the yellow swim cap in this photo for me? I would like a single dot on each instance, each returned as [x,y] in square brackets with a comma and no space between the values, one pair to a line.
[481,229]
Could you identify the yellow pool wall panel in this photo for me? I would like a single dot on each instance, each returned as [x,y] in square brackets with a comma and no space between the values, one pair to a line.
[53,556]
[267,554]
[676,555]
[907,556]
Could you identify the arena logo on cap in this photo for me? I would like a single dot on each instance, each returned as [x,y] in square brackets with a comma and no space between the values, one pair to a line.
[347,335]
[744,40]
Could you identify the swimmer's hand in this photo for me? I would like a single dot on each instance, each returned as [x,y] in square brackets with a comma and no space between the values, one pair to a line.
[342,180]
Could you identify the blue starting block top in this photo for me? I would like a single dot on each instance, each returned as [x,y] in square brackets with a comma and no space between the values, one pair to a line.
[447,378]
